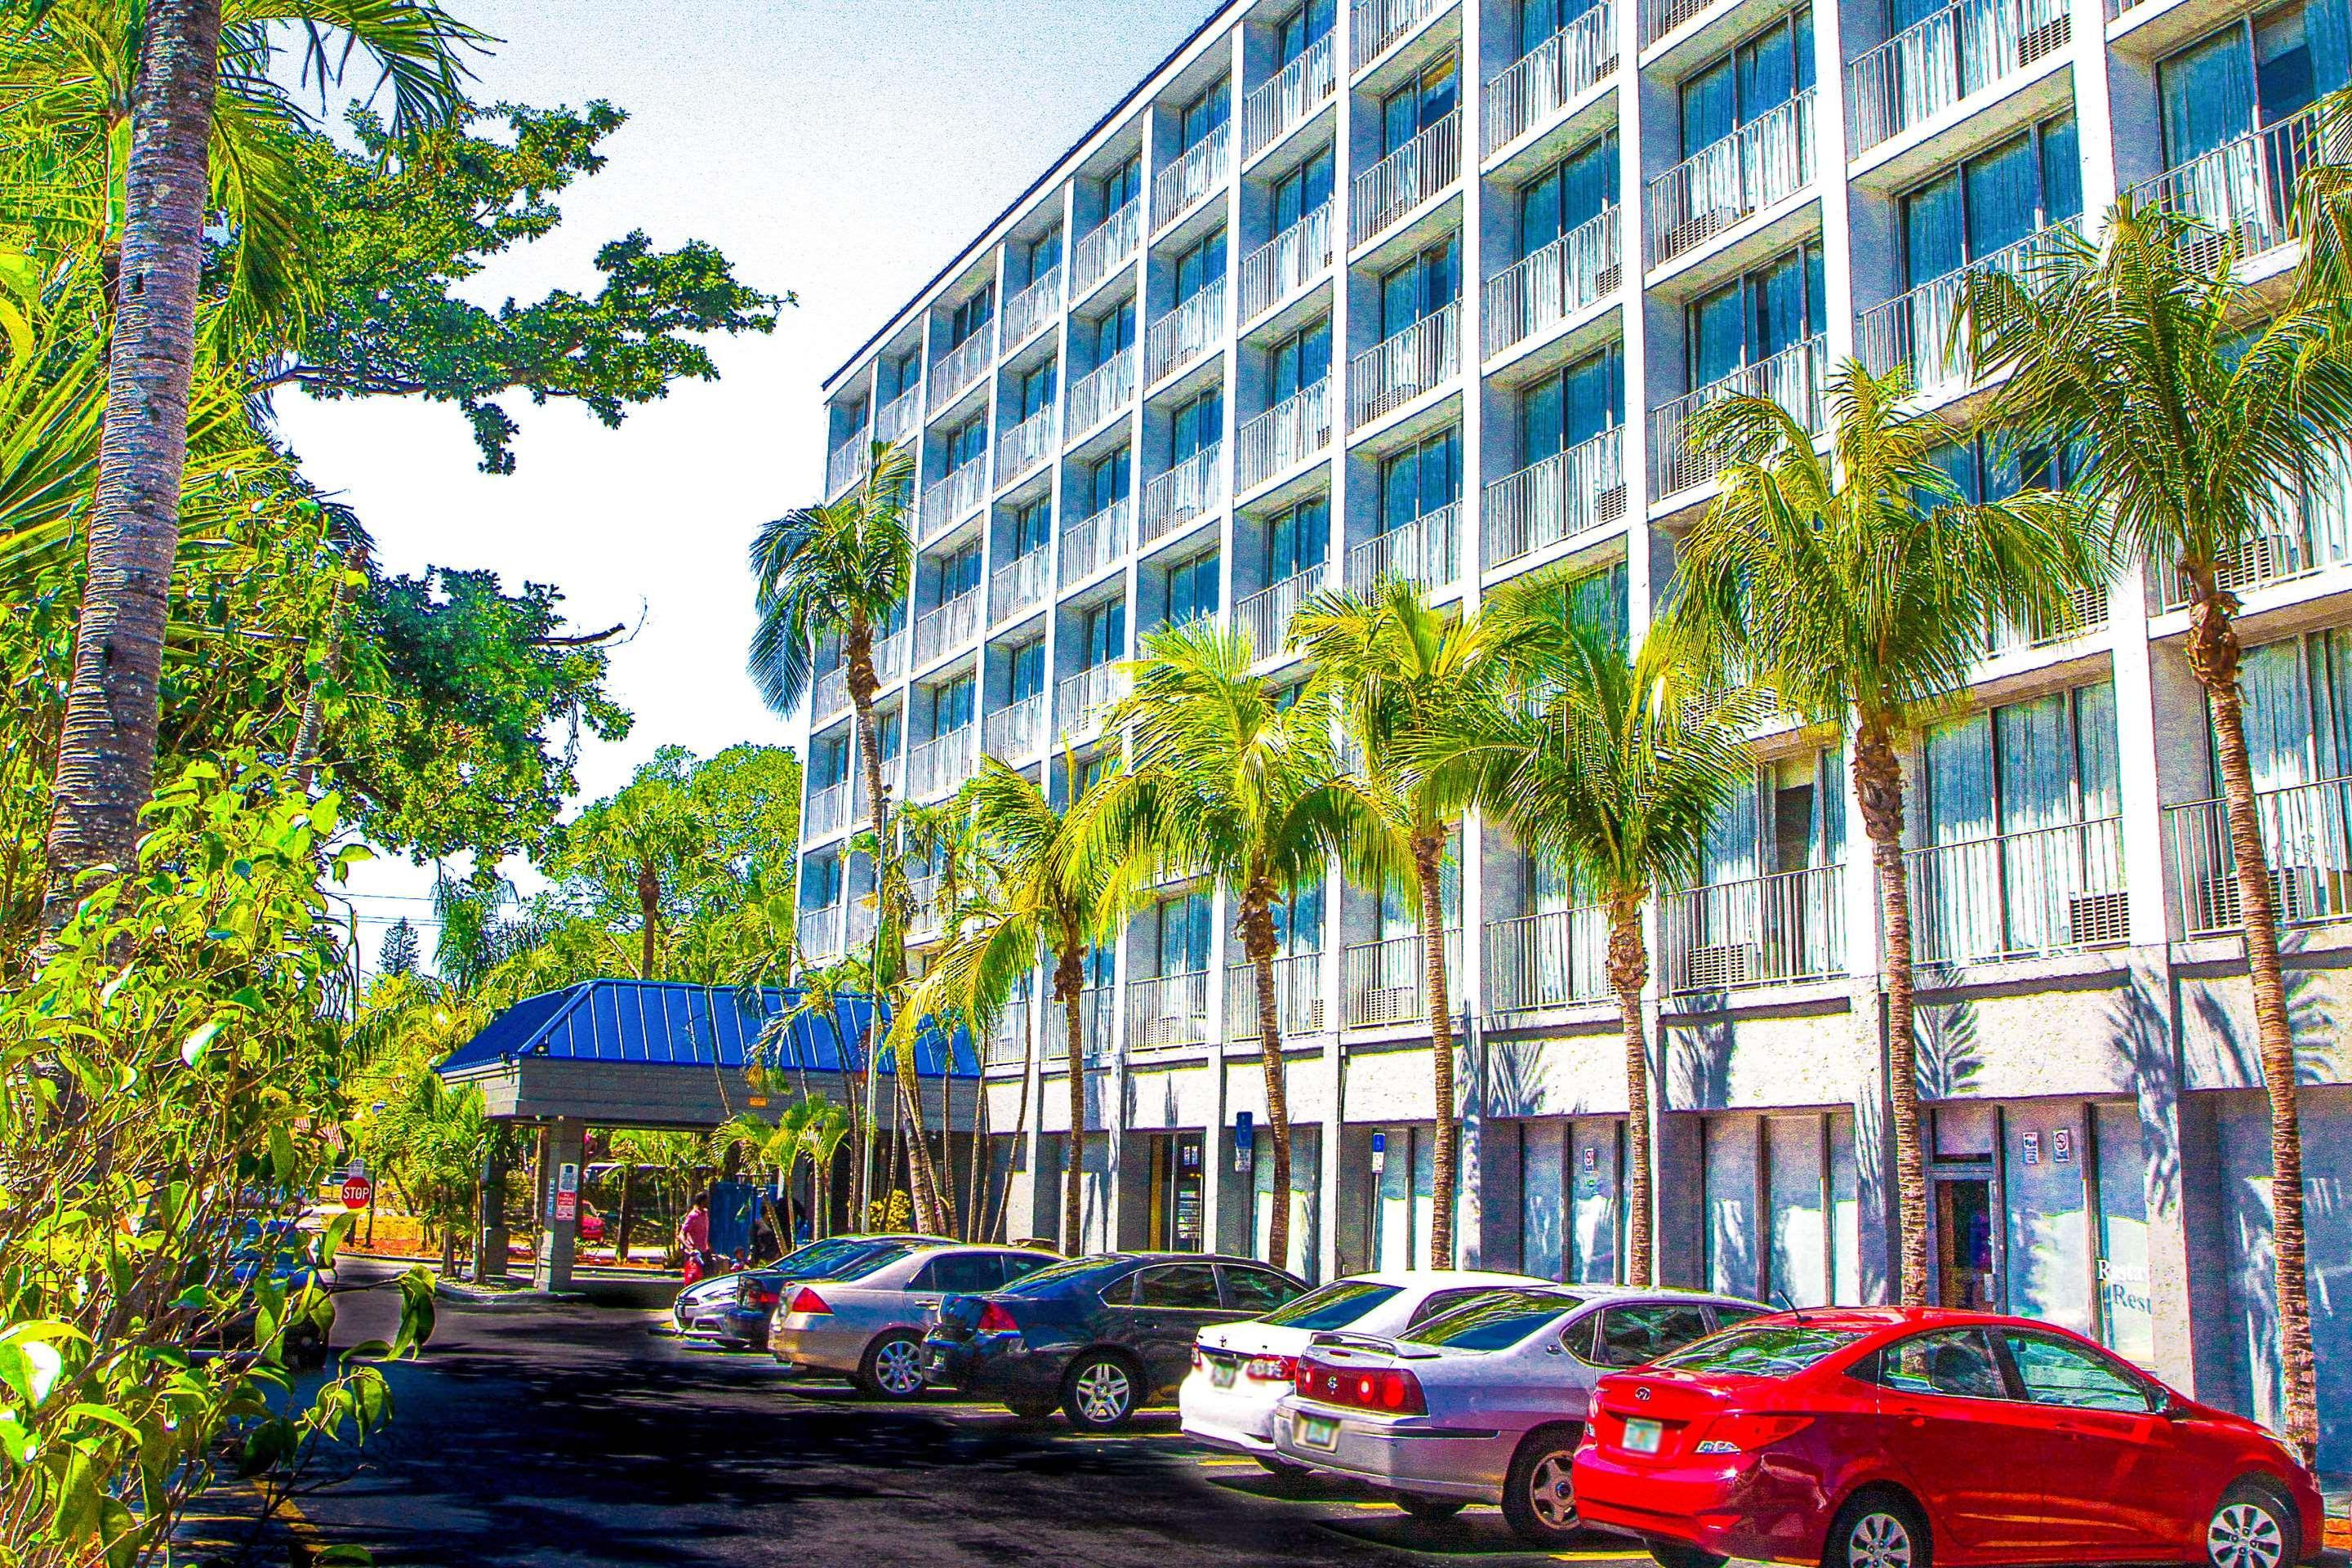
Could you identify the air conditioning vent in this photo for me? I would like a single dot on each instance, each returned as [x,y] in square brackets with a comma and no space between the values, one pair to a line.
[1721,966]
[2098,920]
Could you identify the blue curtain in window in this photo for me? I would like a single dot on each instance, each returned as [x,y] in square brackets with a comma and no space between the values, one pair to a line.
[2004,196]
[2209,97]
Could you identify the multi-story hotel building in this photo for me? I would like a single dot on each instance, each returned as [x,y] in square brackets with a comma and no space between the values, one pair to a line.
[1434,288]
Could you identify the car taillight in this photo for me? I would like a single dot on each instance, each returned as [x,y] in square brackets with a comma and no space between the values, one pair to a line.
[1747,1431]
[1271,1369]
[995,1320]
[765,1298]
[1198,1359]
[1389,1390]
[805,1300]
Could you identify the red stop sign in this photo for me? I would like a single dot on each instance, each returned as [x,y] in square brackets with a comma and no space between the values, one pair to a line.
[357,1190]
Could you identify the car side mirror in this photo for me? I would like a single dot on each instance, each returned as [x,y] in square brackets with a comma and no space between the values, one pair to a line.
[2173,1409]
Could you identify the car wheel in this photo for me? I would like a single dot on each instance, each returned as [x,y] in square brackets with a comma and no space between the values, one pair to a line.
[1539,1502]
[305,1348]
[1428,1510]
[1101,1393]
[893,1367]
[1683,1554]
[2252,1529]
[1878,1530]
[1030,1409]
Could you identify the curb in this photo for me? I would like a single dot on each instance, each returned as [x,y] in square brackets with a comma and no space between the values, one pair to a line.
[467,1295]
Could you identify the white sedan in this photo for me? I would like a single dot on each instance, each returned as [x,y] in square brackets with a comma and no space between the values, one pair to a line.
[1240,1370]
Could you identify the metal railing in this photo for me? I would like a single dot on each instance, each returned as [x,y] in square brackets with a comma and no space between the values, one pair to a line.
[960,367]
[1032,307]
[1023,447]
[2244,189]
[2020,895]
[1374,24]
[1766,161]
[1542,289]
[2306,837]
[2308,533]
[1266,615]
[1020,584]
[1084,697]
[1916,329]
[1286,435]
[896,419]
[1094,542]
[1288,97]
[1298,997]
[1186,332]
[1279,268]
[818,932]
[1101,392]
[951,624]
[954,499]
[1660,17]
[1422,551]
[1551,75]
[1792,378]
[1384,981]
[1763,930]
[1199,170]
[1095,1019]
[1014,732]
[2083,612]
[1404,179]
[1008,1043]
[1104,246]
[942,764]
[1940,59]
[926,920]
[1556,498]
[1403,365]
[845,463]
[1185,492]
[832,698]
[1551,960]
[827,812]
[890,656]
[1171,1010]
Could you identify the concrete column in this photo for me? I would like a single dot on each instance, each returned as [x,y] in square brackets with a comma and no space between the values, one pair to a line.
[563,1146]
[490,1231]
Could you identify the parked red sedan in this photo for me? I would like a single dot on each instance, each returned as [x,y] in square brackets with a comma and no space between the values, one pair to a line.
[1906,1437]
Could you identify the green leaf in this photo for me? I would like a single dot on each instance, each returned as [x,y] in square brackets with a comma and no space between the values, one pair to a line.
[191,1049]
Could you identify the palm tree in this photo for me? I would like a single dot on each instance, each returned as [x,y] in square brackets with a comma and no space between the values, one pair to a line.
[776,1146]
[821,1135]
[1395,667]
[1609,768]
[2193,411]
[1227,779]
[820,991]
[1861,589]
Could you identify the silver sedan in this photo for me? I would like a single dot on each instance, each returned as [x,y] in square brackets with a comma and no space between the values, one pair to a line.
[871,1328]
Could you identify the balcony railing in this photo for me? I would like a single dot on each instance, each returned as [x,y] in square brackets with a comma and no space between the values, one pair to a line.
[959,368]
[1404,179]
[1266,615]
[1185,492]
[941,631]
[1201,169]
[1084,697]
[1170,1011]
[832,699]
[890,656]
[927,920]
[1936,62]
[845,463]
[1764,930]
[1033,309]
[858,922]
[1104,246]
[1384,981]
[1008,1043]
[1023,447]
[1096,542]
[1914,330]
[1551,75]
[1660,17]
[1376,24]
[1298,997]
[1186,332]
[1095,1017]
[2308,534]
[1556,498]
[2083,612]
[827,812]
[1539,292]
[940,765]
[2020,895]
[1421,552]
[2244,189]
[1014,733]
[1399,368]
[2306,837]
[1288,97]
[1765,161]
[1552,960]
[819,932]
[1286,435]
[898,417]
[954,499]
[1020,586]
[1101,392]
[1792,378]
[1282,266]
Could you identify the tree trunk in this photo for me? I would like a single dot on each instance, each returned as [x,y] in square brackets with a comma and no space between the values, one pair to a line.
[1258,944]
[849,1099]
[309,734]
[1628,972]
[1429,866]
[106,748]
[999,1197]
[1878,786]
[649,907]
[626,1215]
[1069,978]
[2213,655]
[783,1218]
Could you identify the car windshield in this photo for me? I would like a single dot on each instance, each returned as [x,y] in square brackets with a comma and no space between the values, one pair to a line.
[1770,1350]
[1335,1306]
[818,1252]
[1494,1322]
[1085,1273]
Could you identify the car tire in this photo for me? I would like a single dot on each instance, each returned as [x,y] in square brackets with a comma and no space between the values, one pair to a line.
[2250,1527]
[1538,1503]
[1683,1554]
[1428,1510]
[893,1367]
[1101,1391]
[1879,1530]
[1032,1408]
[305,1348]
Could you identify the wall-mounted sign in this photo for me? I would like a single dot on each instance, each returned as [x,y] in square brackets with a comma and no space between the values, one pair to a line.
[1379,1153]
[1244,1134]
[2062,1145]
[1591,1158]
[2033,1148]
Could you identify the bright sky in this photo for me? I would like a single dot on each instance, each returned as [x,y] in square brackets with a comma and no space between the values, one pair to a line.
[841,149]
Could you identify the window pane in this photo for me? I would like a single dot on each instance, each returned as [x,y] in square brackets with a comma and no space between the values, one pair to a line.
[1257,1289]
[2055,1372]
[1636,1336]
[2003,194]
[2208,96]
[1955,1362]
[2062,171]
[1718,341]
[1189,1285]
[1706,108]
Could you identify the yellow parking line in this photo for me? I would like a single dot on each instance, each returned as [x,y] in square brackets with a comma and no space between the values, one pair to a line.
[1595,1556]
[1237,1464]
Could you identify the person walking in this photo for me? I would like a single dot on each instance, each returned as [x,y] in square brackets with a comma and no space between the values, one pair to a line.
[694,1238]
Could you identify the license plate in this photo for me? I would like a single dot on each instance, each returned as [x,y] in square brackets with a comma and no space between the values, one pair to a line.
[1642,1436]
[1222,1373]
[1316,1432]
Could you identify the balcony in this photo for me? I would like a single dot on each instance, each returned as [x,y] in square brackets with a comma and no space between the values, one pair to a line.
[827,812]
[1660,17]
[1551,75]
[1008,1043]
[1421,552]
[1298,997]
[1021,449]
[1020,586]
[1286,435]
[1185,333]
[2307,836]
[1034,309]
[890,658]
[1266,615]
[2020,895]
[2310,534]
[1393,371]
[1763,162]
[898,417]
[1556,498]
[1168,1012]
[1374,24]
[1935,63]
[2084,612]
[845,464]
[1539,292]
[1792,378]
[1103,247]
[1764,930]
[1283,264]
[1085,696]
[1384,981]
[1538,962]
[1095,1015]
[1017,733]
[1101,392]
[832,698]
[2243,189]
[1184,184]
[1285,99]
[940,632]
[1096,542]
[927,921]
[1914,331]
[952,500]
[940,765]
[1185,492]
[959,368]
[819,932]
[1404,179]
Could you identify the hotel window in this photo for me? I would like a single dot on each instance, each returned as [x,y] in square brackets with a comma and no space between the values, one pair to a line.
[969,444]
[1539,19]
[901,375]
[1422,287]
[1033,525]
[1572,406]
[1198,424]
[959,572]
[888,735]
[821,882]
[1423,479]
[1114,332]
[830,765]
[1183,929]
[972,316]
[1302,30]
[1200,118]
[1198,267]
[1751,319]
[1992,201]
[1301,191]
[1106,484]
[1298,362]
[1040,257]
[1296,539]
[1415,107]
[2298,717]
[1121,186]
[1788,816]
[1986,469]
[1103,634]
[1569,195]
[2255,72]
[1748,83]
[1399,911]
[1028,669]
[1191,589]
[1299,921]
[951,706]
[1035,392]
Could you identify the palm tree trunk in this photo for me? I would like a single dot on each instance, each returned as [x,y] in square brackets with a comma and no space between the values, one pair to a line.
[1258,944]
[1628,972]
[2213,655]
[649,910]
[1878,785]
[106,748]
[1429,866]
[1069,989]
[784,1202]
[849,1102]
[627,1212]
[999,1197]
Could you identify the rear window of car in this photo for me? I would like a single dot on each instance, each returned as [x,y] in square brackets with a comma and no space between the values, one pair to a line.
[1081,1273]
[858,1265]
[1335,1306]
[1772,1351]
[1495,1323]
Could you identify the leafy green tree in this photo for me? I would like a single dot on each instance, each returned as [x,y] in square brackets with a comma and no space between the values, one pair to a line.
[399,953]
[645,844]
